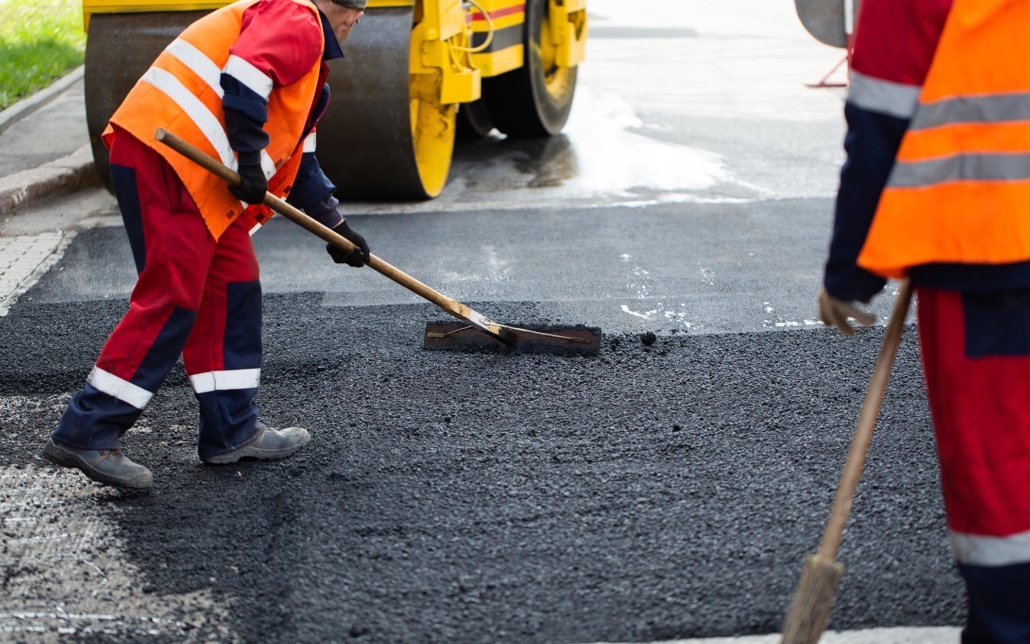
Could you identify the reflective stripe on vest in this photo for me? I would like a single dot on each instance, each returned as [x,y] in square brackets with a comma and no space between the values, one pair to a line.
[196,110]
[1001,108]
[182,92]
[200,64]
[206,68]
[959,191]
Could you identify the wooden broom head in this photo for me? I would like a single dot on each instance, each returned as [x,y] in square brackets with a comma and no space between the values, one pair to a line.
[810,612]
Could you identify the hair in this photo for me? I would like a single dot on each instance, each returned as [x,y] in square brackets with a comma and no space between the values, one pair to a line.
[351,4]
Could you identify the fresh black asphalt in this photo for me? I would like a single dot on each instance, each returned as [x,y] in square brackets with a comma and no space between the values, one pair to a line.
[654,492]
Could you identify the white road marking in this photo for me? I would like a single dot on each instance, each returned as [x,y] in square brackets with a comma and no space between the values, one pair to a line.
[24,259]
[65,567]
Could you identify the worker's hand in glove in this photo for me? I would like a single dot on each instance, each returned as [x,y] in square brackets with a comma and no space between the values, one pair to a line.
[836,313]
[356,257]
[253,185]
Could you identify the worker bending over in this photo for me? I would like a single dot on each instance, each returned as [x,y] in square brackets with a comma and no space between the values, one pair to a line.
[937,187]
[246,84]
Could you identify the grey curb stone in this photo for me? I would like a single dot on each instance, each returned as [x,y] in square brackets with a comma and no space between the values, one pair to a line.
[28,105]
[57,178]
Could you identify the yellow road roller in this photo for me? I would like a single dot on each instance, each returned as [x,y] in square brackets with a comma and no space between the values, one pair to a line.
[419,75]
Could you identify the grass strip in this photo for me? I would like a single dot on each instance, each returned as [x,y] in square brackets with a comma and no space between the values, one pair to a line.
[40,40]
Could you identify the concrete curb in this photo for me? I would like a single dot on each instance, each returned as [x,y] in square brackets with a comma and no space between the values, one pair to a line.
[54,179]
[29,105]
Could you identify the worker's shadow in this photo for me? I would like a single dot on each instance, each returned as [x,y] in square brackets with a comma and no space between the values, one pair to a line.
[207,537]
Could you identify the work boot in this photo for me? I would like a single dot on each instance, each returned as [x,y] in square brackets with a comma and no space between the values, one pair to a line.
[107,466]
[270,445]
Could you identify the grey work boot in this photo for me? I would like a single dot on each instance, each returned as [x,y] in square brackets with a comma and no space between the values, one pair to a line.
[270,445]
[107,466]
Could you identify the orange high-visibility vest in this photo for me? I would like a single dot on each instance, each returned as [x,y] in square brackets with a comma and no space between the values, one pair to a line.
[182,93]
[959,191]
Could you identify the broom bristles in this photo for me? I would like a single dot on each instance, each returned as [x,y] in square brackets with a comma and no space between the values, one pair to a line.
[810,612]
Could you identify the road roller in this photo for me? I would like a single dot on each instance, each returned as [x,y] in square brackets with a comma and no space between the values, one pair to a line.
[419,76]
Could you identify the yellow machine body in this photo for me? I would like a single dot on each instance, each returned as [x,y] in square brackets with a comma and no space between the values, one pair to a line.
[441,21]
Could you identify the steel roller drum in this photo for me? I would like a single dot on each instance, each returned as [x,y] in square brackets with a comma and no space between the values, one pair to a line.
[367,145]
[119,50]
[824,19]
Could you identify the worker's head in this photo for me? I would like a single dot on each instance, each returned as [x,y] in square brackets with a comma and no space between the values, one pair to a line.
[342,15]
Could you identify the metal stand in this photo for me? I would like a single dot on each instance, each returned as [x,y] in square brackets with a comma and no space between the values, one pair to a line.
[849,29]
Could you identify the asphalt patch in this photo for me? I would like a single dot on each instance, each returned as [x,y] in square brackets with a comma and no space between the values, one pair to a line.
[654,492]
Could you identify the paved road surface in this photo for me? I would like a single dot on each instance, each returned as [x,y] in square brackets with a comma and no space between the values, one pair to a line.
[652,493]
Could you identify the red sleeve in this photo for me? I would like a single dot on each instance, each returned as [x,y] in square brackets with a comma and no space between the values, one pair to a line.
[896,39]
[281,38]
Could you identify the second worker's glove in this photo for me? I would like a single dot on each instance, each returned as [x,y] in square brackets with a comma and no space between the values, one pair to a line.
[253,185]
[356,257]
[836,312]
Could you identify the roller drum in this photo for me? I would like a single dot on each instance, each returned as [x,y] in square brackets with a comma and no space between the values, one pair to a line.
[368,141]
[119,50]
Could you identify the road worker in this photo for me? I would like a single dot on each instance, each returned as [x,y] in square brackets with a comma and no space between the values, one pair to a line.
[246,84]
[936,187]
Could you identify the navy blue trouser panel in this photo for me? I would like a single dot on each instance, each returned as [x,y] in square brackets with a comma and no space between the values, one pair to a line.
[997,324]
[242,344]
[228,419]
[999,604]
[109,417]
[127,193]
[95,420]
[165,350]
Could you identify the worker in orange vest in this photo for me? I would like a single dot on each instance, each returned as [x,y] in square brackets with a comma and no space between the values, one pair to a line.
[246,84]
[936,187]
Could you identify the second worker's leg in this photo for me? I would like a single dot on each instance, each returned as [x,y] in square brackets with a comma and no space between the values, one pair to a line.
[976,353]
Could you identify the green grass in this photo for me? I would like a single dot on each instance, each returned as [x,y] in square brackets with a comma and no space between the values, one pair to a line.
[40,40]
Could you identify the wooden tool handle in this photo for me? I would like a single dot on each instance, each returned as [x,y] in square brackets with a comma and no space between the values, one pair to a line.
[866,423]
[455,308]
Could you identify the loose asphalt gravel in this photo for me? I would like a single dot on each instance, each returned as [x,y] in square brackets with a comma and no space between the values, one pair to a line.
[650,493]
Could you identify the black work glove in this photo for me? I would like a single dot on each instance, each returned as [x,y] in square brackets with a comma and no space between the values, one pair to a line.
[253,185]
[356,257]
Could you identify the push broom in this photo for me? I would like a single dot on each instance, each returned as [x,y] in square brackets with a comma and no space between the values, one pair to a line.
[810,612]
[572,341]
